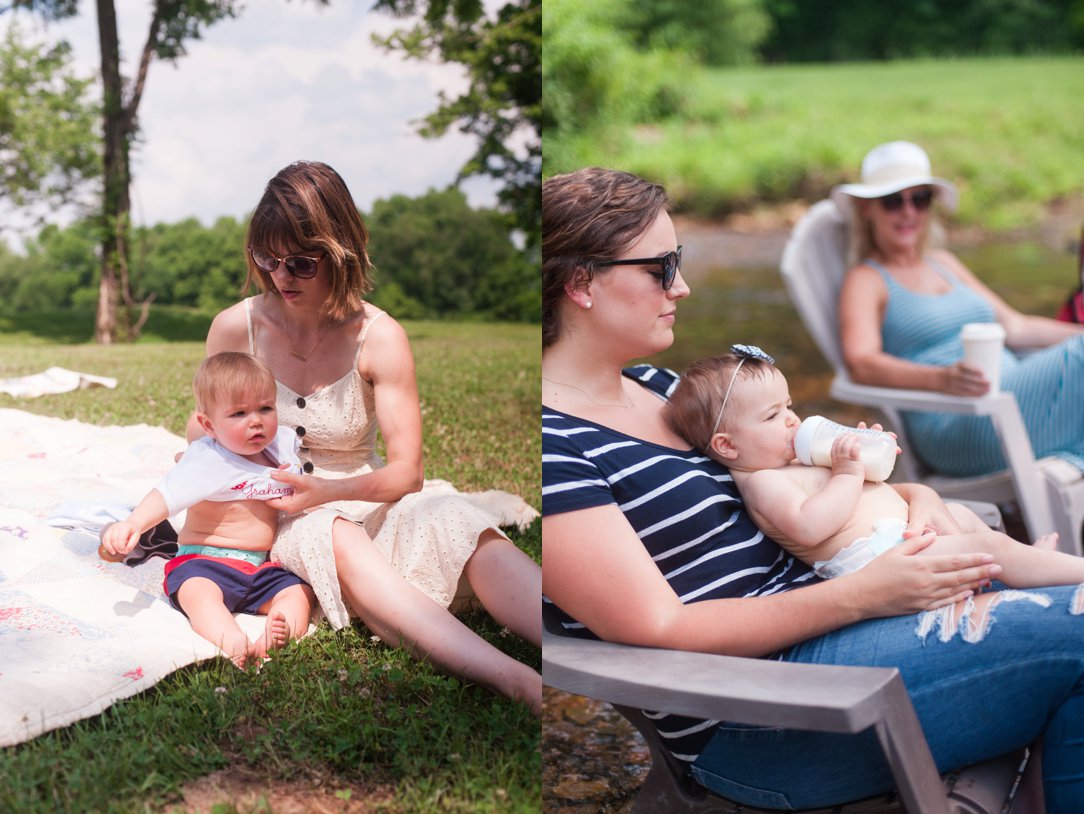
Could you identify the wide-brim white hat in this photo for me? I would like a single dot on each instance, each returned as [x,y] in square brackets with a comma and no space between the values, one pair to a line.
[891,167]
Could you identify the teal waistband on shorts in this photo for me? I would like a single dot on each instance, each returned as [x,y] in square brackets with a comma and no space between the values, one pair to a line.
[254,557]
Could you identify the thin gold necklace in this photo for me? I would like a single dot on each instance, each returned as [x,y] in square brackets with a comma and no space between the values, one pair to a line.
[628,406]
[290,339]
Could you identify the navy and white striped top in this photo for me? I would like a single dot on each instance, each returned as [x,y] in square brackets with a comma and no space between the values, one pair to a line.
[683,506]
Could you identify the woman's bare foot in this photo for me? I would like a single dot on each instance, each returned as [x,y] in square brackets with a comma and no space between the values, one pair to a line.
[1048,542]
[528,690]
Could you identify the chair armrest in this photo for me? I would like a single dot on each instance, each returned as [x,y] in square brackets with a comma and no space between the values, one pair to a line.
[899,398]
[822,698]
[750,691]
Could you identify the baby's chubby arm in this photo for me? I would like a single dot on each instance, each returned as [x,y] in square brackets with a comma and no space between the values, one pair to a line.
[807,520]
[120,538]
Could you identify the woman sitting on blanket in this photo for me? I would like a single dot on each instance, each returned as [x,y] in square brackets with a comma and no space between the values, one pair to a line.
[358,529]
[646,541]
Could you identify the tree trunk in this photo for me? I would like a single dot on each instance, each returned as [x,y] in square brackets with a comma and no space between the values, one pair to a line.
[116,202]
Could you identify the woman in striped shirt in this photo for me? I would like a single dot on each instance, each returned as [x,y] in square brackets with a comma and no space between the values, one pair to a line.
[646,541]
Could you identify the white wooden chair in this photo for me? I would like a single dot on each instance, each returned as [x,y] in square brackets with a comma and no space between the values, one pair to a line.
[1049,491]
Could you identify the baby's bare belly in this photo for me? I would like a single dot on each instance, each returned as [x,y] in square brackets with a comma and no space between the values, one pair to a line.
[879,501]
[245,524]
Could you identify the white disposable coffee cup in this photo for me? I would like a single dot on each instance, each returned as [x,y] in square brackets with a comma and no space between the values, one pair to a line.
[983,343]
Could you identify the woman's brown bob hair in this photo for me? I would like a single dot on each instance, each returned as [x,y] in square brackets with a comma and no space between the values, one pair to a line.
[589,215]
[306,207]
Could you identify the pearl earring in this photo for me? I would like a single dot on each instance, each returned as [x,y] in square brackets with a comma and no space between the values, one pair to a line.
[588,305]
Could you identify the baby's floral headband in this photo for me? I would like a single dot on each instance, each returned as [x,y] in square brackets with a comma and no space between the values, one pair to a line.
[744,352]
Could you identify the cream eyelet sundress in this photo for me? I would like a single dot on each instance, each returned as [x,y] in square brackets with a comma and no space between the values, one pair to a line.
[427,536]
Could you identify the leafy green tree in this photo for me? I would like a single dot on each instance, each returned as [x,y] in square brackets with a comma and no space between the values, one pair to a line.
[58,270]
[172,22]
[187,264]
[502,108]
[48,148]
[598,81]
[437,253]
[12,268]
[718,32]
[830,30]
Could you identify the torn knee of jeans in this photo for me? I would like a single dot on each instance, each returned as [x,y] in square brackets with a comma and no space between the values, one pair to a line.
[1076,604]
[973,617]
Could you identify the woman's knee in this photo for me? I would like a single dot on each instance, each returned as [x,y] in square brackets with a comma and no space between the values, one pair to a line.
[1040,617]
[349,541]
[496,554]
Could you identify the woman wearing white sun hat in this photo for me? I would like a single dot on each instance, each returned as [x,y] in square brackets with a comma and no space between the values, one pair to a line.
[901,309]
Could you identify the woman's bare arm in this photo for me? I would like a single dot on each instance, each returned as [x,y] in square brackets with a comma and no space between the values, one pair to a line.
[596,569]
[862,300]
[1022,331]
[388,363]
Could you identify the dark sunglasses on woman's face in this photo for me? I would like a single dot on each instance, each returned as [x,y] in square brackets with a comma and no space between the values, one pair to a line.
[298,265]
[670,263]
[920,199]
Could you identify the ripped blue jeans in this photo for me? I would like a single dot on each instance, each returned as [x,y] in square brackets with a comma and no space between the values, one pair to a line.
[985,679]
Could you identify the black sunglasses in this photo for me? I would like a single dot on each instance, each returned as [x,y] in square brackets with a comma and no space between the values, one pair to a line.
[669,262]
[920,200]
[298,265]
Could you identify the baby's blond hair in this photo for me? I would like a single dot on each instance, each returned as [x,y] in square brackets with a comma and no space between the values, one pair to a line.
[222,377]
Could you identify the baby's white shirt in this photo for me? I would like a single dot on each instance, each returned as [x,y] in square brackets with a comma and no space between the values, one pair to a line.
[209,471]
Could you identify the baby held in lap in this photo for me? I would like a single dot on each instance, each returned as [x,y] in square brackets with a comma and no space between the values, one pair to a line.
[737,409]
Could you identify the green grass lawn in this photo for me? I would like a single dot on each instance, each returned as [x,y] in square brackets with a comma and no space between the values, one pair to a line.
[337,711]
[1006,131]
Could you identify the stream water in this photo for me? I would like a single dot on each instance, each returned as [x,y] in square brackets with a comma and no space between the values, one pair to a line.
[593,760]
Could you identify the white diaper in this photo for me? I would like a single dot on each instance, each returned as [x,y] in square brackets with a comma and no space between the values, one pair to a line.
[887,534]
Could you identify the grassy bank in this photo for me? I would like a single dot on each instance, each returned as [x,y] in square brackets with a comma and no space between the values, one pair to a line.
[338,717]
[1006,131]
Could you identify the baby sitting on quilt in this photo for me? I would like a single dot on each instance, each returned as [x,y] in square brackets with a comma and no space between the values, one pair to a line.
[223,480]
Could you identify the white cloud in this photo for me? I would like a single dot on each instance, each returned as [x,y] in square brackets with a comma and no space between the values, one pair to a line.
[283,81]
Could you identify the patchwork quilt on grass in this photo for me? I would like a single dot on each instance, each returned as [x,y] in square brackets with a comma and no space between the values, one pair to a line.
[77,633]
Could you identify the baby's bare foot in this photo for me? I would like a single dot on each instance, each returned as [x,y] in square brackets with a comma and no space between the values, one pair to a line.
[1047,541]
[244,658]
[277,632]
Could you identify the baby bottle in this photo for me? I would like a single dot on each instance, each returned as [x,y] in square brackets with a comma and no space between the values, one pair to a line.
[813,446]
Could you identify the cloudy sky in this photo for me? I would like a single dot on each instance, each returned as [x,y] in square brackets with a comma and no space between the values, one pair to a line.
[283,81]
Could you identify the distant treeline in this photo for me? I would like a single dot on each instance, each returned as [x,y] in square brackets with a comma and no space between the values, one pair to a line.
[830,30]
[728,32]
[435,257]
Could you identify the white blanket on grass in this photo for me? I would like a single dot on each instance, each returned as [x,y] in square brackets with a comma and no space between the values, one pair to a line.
[53,380]
[76,633]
